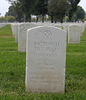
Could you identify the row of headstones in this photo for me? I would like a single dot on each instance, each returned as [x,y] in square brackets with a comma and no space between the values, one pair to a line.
[74,31]
[20,31]
[45,47]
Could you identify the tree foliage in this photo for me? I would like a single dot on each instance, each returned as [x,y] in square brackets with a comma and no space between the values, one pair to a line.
[73,4]
[7,18]
[11,12]
[57,9]
[40,8]
[15,10]
[2,19]
[10,18]
[80,13]
[18,10]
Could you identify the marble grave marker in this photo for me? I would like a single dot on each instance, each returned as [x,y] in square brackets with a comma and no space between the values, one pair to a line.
[45,60]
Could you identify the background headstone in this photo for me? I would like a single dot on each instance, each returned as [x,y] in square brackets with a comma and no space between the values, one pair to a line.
[16,32]
[74,34]
[22,31]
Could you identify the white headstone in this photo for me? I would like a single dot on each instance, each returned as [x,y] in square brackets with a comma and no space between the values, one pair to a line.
[65,27]
[57,25]
[74,34]
[22,31]
[45,60]
[13,28]
[16,32]
[82,27]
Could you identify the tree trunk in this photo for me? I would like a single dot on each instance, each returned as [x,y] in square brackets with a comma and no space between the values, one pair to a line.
[26,19]
[29,18]
[55,20]
[42,18]
[61,19]
[19,18]
[37,18]
[51,18]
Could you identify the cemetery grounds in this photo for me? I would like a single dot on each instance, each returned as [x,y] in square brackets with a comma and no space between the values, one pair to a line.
[13,66]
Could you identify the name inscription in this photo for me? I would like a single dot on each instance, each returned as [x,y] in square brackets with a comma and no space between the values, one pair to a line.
[46,46]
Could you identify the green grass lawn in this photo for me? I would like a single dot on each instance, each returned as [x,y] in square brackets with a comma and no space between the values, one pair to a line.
[6,30]
[12,71]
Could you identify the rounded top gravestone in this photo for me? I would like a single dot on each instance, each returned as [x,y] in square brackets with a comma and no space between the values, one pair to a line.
[45,59]
[74,33]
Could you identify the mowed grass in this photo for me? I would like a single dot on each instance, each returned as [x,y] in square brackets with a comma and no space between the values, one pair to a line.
[6,30]
[12,71]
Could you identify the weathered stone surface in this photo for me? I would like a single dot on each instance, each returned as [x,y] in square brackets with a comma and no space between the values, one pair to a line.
[45,60]
[22,31]
[82,28]
[74,34]
[16,32]
[13,28]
